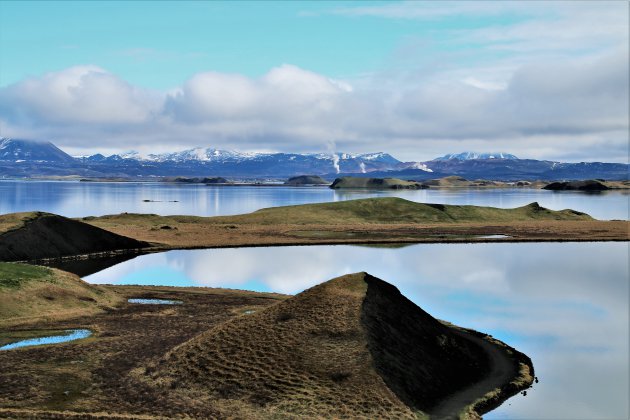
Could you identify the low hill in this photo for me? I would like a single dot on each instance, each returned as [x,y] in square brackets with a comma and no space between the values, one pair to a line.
[375,183]
[30,236]
[448,181]
[350,347]
[590,185]
[29,293]
[306,180]
[398,210]
[197,180]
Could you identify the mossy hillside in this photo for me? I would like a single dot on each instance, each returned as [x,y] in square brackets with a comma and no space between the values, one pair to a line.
[349,347]
[397,210]
[14,276]
[29,293]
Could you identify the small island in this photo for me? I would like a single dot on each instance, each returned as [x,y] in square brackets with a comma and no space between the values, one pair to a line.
[301,180]
[589,185]
[348,182]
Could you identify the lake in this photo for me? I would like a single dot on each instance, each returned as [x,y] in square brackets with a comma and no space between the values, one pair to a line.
[563,304]
[79,199]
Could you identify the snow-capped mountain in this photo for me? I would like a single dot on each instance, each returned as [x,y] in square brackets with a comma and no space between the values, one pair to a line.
[474,155]
[27,158]
[235,163]
[28,150]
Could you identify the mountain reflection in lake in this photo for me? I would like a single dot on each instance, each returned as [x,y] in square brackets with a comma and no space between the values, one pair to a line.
[565,305]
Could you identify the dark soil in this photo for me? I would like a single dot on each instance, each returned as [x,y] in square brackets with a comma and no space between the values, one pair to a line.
[49,236]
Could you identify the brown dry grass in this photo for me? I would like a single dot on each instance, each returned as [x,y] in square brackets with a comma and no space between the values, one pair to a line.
[335,351]
[352,347]
[92,375]
[364,221]
[209,233]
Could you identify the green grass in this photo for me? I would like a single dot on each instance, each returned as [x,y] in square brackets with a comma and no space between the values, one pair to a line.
[29,293]
[398,210]
[13,276]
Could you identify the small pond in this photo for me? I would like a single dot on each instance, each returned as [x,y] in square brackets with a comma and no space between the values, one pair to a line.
[155,301]
[68,335]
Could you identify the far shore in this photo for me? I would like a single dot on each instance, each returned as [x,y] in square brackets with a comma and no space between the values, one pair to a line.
[438,183]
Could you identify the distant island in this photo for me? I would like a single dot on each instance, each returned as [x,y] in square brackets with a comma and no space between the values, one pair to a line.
[376,183]
[306,180]
[589,185]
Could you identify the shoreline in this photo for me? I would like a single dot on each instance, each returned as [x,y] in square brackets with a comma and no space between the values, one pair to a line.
[39,236]
[105,345]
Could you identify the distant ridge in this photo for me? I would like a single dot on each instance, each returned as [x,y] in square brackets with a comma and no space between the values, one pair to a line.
[28,158]
[27,150]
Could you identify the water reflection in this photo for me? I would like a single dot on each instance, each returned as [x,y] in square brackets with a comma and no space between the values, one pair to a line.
[78,199]
[564,305]
[69,335]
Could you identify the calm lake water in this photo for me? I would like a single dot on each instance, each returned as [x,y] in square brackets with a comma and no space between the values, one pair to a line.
[78,199]
[563,304]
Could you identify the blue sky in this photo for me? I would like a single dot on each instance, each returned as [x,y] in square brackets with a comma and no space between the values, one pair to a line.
[157,45]
[416,78]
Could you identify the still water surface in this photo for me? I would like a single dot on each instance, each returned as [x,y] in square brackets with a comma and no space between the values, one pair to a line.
[79,199]
[69,335]
[563,304]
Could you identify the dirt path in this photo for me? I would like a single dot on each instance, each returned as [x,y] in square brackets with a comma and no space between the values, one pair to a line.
[502,370]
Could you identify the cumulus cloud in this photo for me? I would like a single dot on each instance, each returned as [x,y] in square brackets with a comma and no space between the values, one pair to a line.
[81,94]
[575,109]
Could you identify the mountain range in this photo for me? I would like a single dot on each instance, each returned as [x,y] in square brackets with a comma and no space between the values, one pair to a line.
[29,158]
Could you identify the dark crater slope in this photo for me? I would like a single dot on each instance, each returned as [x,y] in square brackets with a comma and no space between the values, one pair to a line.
[40,235]
[419,358]
[350,347]
[590,185]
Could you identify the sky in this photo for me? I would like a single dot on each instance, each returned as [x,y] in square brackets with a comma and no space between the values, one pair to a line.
[417,79]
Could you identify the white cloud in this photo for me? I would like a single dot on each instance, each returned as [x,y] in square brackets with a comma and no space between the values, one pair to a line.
[575,109]
[81,94]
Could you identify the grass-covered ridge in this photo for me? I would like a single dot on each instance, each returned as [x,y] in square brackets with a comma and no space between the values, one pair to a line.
[29,293]
[351,347]
[398,210]
[14,276]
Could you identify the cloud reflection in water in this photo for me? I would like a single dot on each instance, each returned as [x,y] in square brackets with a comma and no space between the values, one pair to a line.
[565,305]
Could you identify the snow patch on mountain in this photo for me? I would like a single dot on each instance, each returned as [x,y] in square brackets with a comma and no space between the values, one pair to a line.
[475,155]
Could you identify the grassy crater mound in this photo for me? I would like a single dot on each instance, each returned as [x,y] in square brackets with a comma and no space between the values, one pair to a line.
[350,347]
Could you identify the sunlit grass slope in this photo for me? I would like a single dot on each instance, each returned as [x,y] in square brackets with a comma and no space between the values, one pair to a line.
[29,293]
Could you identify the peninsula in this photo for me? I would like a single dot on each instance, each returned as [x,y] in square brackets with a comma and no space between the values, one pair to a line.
[365,221]
[342,348]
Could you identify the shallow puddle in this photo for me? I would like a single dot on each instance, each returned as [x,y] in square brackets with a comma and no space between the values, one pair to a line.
[69,335]
[155,301]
